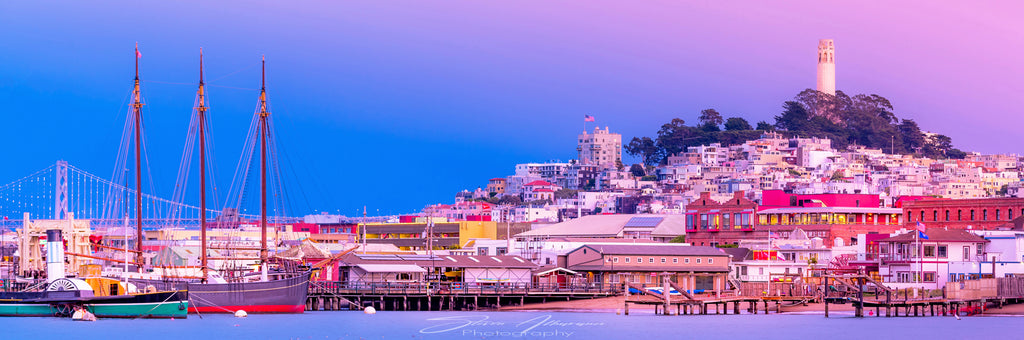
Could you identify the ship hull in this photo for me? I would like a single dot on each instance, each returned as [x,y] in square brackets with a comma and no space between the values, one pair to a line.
[283,295]
[275,296]
[150,305]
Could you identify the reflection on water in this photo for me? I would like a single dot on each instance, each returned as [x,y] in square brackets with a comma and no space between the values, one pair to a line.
[501,325]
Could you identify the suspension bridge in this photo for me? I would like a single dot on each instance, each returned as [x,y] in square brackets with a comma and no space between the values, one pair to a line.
[61,188]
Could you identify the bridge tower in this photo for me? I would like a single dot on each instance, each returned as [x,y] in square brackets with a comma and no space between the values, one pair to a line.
[60,210]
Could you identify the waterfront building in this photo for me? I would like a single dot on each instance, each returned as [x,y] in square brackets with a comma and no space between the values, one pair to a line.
[915,259]
[711,223]
[414,236]
[465,270]
[692,268]
[978,213]
[601,148]
[654,228]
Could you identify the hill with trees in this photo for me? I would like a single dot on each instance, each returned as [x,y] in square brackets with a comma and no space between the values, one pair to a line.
[866,120]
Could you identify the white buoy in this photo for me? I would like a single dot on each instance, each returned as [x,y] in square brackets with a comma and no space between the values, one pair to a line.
[83,315]
[370,310]
[241,314]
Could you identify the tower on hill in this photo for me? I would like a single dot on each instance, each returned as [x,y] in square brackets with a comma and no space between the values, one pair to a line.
[826,66]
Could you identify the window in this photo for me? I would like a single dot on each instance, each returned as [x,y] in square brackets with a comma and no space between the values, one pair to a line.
[929,277]
[929,251]
[967,253]
[639,260]
[979,250]
[698,260]
[959,215]
[922,215]
[984,215]
[662,260]
[686,260]
[997,214]
[675,260]
[972,214]
[650,260]
[615,260]
[942,251]
[947,215]
[627,260]
[711,260]
[727,220]
[935,215]
[760,271]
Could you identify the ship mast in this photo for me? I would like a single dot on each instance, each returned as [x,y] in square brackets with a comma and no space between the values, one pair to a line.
[137,110]
[201,112]
[263,128]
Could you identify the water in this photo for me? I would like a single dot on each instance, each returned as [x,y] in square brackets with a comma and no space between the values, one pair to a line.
[511,325]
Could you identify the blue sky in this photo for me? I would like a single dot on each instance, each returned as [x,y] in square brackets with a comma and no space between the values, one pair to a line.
[399,104]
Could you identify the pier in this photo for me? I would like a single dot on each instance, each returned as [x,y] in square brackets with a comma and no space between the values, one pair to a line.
[442,297]
[866,295]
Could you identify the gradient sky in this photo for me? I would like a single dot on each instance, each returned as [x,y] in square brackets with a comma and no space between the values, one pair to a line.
[399,104]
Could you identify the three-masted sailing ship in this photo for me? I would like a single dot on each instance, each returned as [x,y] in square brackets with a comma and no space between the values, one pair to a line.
[211,292]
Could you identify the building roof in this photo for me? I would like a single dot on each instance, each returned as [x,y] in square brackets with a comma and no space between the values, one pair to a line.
[656,249]
[738,254]
[846,210]
[640,268]
[539,183]
[543,190]
[937,234]
[451,261]
[391,268]
[605,226]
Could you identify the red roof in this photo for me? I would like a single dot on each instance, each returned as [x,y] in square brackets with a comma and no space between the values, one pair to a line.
[543,190]
[539,183]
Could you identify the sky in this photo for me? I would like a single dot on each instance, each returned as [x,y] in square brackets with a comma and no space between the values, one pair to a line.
[395,105]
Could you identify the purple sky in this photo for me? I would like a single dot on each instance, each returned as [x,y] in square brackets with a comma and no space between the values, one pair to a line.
[399,104]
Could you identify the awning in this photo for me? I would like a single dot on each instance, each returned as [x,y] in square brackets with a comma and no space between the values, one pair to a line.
[391,268]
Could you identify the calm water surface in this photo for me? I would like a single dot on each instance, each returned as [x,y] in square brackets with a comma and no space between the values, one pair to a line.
[515,325]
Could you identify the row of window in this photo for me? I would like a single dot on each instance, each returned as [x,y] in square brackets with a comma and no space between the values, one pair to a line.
[716,221]
[960,215]
[828,218]
[626,259]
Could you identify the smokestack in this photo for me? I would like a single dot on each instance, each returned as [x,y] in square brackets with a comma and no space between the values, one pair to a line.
[54,255]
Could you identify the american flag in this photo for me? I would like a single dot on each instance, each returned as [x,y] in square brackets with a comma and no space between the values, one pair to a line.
[920,227]
[588,118]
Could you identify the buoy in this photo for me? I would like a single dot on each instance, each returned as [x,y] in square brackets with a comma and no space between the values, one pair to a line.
[83,315]
[370,310]
[241,314]
[618,311]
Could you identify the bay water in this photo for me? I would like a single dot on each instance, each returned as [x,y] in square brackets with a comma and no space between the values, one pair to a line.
[516,325]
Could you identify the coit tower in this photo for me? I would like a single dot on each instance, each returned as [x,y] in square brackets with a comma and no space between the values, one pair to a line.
[826,66]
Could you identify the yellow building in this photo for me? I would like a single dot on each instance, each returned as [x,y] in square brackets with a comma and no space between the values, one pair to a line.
[446,235]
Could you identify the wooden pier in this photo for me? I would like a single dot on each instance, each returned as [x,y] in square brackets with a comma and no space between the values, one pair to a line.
[967,298]
[445,297]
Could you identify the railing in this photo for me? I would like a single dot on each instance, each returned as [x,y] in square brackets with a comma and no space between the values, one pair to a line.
[458,288]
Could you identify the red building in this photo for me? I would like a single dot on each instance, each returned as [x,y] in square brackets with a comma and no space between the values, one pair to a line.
[974,213]
[710,223]
[780,199]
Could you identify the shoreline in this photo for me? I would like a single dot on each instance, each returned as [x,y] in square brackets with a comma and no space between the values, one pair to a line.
[617,304]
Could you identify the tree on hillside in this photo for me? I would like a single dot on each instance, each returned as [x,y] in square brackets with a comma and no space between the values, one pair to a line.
[645,148]
[710,116]
[913,139]
[637,170]
[510,200]
[764,126]
[565,193]
[736,124]
[794,117]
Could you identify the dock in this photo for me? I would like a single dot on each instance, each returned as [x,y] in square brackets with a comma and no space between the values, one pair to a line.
[442,297]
